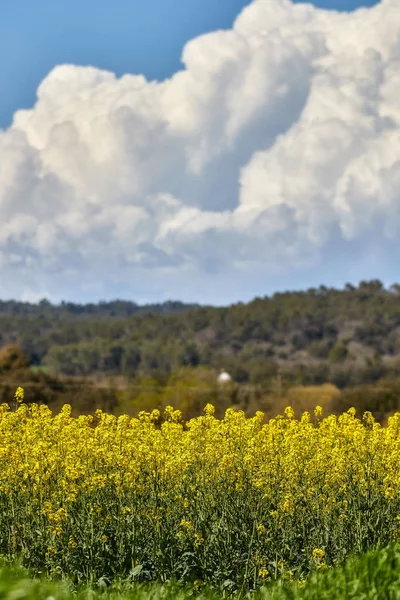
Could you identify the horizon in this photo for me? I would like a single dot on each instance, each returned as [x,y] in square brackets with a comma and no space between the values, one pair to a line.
[386,288]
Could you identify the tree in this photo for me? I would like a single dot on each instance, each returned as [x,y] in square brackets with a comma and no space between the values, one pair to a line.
[395,289]
[338,353]
[12,357]
[189,355]
[131,359]
[372,286]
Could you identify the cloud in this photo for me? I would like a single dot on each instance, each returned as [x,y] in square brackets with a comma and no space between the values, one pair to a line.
[277,142]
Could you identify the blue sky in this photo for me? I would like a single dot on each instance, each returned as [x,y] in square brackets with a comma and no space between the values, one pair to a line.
[261,168]
[124,36]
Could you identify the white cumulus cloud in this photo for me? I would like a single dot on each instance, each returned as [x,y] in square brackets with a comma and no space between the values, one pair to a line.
[274,153]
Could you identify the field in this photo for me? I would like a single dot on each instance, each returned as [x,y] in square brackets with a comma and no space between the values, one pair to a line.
[372,576]
[232,503]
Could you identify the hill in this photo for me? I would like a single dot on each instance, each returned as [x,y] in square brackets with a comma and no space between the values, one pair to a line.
[345,337]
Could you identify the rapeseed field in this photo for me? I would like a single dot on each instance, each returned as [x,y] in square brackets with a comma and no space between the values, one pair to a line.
[234,503]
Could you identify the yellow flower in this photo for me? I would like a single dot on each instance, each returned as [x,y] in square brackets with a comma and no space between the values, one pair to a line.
[51,551]
[288,505]
[209,410]
[73,475]
[197,584]
[318,411]
[261,529]
[289,412]
[318,553]
[19,395]
[263,573]
[155,415]
[186,524]
[198,539]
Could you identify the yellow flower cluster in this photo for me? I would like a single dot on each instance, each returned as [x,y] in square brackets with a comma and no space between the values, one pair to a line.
[19,395]
[101,495]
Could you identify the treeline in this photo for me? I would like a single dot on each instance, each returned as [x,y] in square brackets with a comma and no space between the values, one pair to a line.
[103,309]
[345,337]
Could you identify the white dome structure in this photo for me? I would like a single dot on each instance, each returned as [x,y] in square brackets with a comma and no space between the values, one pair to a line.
[224,377]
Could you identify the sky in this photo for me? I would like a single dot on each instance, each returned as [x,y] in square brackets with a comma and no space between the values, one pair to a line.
[200,151]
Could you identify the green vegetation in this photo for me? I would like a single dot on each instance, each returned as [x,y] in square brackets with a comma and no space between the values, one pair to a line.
[346,337]
[121,357]
[372,576]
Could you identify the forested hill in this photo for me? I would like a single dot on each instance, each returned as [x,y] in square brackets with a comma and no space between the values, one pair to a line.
[114,308]
[346,336]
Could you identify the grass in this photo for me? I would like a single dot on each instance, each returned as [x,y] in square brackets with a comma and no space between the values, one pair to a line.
[372,576]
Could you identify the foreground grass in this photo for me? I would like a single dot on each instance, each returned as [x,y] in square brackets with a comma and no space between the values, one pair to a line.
[372,576]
